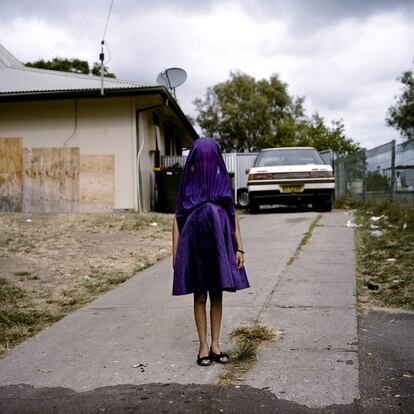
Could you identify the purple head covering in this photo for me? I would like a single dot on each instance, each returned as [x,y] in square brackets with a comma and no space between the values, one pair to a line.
[205,180]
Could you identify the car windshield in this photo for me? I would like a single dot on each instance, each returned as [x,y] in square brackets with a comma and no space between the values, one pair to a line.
[300,156]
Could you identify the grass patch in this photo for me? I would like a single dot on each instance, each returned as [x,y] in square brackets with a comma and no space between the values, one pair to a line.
[22,273]
[305,239]
[385,264]
[19,320]
[136,221]
[104,283]
[347,202]
[248,340]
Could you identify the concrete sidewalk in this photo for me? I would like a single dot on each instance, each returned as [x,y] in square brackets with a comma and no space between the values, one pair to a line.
[140,334]
[314,304]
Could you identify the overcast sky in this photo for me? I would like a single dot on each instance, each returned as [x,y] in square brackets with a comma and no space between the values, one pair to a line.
[343,55]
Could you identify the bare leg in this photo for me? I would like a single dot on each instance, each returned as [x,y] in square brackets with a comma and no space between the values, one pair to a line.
[200,317]
[216,310]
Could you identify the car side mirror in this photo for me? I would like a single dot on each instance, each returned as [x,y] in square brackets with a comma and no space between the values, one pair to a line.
[247,170]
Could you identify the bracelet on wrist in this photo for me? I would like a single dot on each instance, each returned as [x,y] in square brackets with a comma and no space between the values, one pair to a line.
[241,251]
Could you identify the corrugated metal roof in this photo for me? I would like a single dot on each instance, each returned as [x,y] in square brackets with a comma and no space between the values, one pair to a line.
[7,59]
[19,82]
[17,78]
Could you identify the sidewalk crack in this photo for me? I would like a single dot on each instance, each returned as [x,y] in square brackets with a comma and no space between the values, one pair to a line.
[305,239]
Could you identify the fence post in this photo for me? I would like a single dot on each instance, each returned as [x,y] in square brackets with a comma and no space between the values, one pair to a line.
[236,177]
[364,176]
[343,177]
[339,175]
[392,169]
[346,172]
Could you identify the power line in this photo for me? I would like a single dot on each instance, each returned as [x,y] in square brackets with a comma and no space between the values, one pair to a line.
[101,55]
[107,20]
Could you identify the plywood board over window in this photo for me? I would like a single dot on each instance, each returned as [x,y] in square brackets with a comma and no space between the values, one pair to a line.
[96,183]
[51,180]
[11,174]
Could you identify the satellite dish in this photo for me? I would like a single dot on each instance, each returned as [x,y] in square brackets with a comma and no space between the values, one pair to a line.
[171,78]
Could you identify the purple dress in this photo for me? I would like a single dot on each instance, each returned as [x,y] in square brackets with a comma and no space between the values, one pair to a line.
[206,253]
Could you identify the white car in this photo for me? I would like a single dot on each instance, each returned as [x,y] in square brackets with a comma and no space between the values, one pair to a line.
[291,176]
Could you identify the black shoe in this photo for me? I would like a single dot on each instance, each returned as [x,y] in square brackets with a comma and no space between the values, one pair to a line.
[204,361]
[221,358]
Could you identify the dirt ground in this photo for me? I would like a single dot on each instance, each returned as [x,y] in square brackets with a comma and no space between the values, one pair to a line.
[65,260]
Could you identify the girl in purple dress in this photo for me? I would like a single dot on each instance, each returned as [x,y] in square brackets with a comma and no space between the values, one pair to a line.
[207,246]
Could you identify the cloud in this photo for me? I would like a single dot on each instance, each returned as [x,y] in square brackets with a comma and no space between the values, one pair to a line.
[307,15]
[97,9]
[348,70]
[344,56]
[34,38]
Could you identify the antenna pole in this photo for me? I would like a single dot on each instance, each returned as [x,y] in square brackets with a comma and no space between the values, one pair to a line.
[102,57]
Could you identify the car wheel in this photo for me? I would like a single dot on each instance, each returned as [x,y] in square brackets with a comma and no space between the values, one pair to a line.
[242,198]
[254,206]
[327,206]
[323,207]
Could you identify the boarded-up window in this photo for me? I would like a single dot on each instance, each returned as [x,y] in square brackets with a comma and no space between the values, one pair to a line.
[51,180]
[11,174]
[54,180]
[96,183]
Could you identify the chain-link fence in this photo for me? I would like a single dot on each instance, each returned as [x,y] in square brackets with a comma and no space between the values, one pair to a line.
[384,171]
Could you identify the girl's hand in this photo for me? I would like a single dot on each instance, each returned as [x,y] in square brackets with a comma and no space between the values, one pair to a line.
[240,259]
[239,244]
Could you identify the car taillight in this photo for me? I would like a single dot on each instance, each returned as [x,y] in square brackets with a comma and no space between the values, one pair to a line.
[261,176]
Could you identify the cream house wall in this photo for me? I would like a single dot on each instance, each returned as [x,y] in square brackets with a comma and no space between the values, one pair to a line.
[106,127]
[96,126]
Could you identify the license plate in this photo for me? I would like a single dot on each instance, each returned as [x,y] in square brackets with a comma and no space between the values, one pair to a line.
[292,188]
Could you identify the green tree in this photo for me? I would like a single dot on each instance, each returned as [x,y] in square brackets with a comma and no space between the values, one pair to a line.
[243,114]
[96,70]
[401,115]
[317,134]
[70,65]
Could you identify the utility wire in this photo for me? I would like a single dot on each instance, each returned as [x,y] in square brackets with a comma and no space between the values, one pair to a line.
[107,20]
[102,55]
